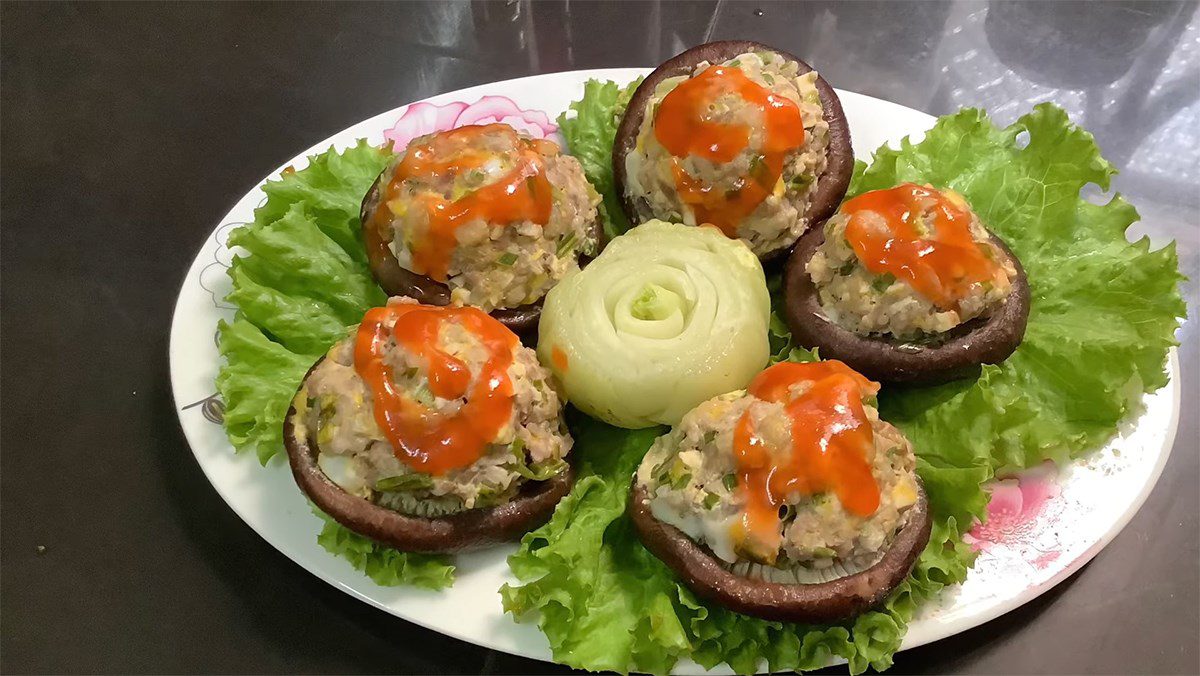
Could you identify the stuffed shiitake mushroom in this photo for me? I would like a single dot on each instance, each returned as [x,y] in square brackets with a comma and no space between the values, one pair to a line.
[737,135]
[480,215]
[431,429]
[906,284]
[790,500]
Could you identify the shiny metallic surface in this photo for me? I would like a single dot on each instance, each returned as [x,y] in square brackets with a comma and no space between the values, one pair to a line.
[128,130]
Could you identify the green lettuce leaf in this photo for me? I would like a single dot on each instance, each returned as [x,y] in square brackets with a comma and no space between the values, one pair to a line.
[592,585]
[1104,314]
[331,188]
[590,134]
[387,567]
[257,383]
[300,280]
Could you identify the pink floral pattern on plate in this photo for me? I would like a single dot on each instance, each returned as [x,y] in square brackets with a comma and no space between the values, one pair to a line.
[1020,509]
[426,118]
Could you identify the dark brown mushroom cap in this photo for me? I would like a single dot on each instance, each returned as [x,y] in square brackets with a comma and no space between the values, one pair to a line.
[471,529]
[984,340]
[826,602]
[831,184]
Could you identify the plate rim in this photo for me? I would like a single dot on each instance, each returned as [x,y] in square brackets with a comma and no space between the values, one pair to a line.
[932,632]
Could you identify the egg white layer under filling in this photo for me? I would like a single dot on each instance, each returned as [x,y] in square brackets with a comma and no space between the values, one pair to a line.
[781,217]
[355,455]
[691,477]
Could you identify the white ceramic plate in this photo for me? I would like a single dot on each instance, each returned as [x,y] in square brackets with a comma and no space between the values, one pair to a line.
[1024,553]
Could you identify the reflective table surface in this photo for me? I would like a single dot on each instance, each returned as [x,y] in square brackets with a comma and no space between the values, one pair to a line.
[128,130]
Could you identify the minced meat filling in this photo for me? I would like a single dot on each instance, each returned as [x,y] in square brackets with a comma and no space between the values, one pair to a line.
[781,217]
[866,303]
[355,454]
[501,265]
[691,477]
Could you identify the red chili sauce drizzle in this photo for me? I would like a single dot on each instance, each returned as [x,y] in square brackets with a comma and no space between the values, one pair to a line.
[942,265]
[560,359]
[524,194]
[683,127]
[831,439]
[421,438]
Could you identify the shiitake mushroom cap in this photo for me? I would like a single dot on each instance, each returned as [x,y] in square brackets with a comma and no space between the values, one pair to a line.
[984,340]
[397,281]
[826,602]
[470,529]
[831,184]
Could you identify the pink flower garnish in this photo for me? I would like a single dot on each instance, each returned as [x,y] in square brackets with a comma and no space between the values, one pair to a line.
[426,118]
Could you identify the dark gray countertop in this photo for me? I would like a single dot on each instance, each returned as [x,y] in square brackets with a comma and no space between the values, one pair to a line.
[129,130]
